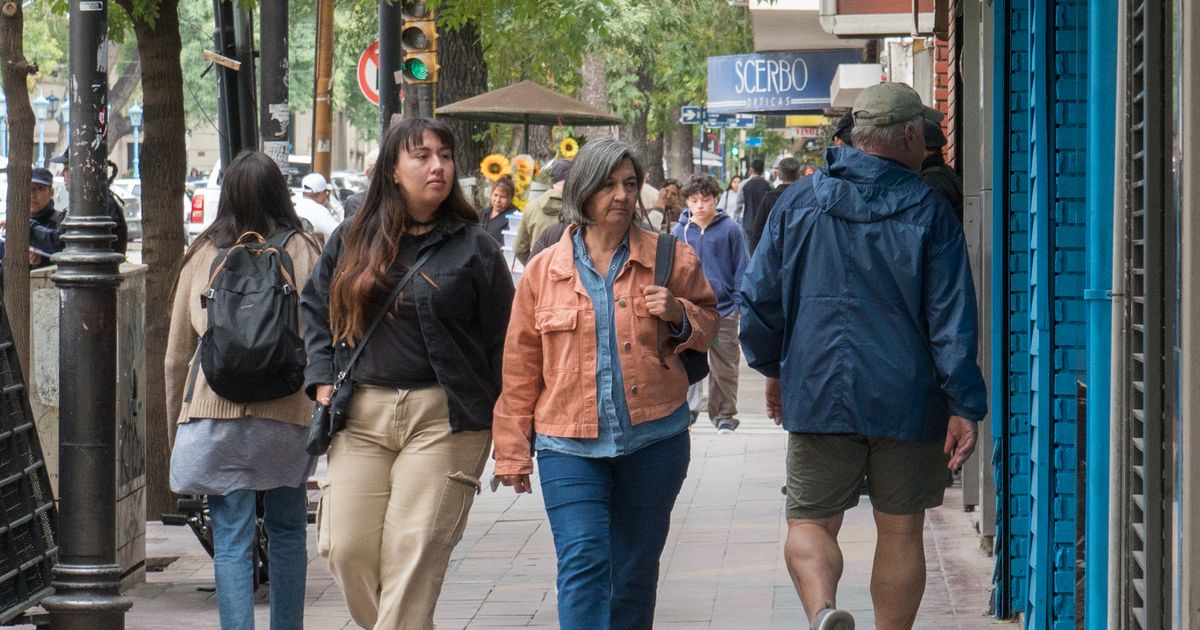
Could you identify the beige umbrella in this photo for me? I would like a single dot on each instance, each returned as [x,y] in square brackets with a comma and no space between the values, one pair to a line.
[527,103]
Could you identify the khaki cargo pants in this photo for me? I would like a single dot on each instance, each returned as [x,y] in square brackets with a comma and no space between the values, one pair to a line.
[400,487]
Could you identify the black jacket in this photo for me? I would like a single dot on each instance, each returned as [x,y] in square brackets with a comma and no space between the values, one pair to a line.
[754,222]
[464,296]
[944,181]
[753,190]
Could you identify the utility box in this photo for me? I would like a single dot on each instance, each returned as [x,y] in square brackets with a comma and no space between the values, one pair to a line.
[44,388]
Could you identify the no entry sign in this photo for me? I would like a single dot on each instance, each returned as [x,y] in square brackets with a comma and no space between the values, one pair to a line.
[368,72]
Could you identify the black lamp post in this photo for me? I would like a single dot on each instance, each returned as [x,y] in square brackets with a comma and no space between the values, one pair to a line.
[87,577]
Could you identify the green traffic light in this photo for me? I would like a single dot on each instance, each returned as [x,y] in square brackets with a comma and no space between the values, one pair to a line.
[417,69]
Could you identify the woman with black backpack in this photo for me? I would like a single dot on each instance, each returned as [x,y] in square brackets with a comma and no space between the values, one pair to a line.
[234,370]
[405,315]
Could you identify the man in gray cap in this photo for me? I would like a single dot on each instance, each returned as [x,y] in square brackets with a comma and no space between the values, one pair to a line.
[858,307]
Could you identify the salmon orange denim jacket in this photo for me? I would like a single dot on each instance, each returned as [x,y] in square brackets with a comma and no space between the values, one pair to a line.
[549,384]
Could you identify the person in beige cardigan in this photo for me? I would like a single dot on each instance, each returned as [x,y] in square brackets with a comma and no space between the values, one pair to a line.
[230,451]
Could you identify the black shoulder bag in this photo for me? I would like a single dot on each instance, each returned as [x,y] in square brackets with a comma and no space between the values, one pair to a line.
[695,362]
[328,420]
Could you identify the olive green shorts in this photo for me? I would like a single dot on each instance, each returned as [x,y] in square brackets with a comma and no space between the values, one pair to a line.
[825,474]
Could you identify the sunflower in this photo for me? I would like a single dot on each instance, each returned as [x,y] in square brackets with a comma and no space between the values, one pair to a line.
[568,148]
[523,179]
[494,166]
[523,164]
[520,203]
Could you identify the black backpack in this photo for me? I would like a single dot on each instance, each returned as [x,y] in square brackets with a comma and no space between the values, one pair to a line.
[695,362]
[252,350]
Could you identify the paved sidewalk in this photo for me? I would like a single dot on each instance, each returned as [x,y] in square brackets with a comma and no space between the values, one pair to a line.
[722,567]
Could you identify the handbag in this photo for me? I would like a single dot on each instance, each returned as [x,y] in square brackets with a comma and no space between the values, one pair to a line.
[328,420]
[695,362]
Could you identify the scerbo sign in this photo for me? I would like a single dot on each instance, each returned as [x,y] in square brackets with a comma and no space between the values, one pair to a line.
[756,76]
[786,82]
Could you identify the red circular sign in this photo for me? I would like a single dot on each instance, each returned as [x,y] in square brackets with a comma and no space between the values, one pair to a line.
[368,72]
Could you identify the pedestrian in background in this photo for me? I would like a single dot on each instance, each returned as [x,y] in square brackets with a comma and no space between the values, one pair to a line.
[354,202]
[231,450]
[404,471]
[731,200]
[494,219]
[719,244]
[542,212]
[666,211]
[752,190]
[934,170]
[859,309]
[789,173]
[586,388]
[313,206]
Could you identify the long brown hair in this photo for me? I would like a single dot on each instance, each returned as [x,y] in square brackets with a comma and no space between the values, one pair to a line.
[372,240]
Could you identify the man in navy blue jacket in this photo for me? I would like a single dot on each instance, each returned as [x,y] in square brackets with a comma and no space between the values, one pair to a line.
[859,308]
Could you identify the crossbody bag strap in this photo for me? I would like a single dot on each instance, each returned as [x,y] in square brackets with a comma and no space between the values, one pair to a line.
[664,258]
[362,343]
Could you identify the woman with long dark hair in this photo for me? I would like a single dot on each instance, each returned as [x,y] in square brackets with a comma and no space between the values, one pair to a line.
[231,450]
[405,469]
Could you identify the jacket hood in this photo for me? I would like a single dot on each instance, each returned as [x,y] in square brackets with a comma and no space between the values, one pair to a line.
[685,219]
[863,188]
[553,205]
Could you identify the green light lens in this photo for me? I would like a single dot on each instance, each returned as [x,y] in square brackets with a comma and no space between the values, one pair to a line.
[417,69]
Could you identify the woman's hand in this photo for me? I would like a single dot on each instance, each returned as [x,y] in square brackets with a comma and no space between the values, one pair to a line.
[663,305]
[519,483]
[324,394]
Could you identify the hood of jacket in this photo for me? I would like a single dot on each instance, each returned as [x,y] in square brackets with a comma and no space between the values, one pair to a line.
[685,219]
[553,204]
[859,187]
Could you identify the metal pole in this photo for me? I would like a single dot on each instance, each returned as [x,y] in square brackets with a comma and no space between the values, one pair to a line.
[243,37]
[322,149]
[87,577]
[425,101]
[227,99]
[274,113]
[137,171]
[391,58]
[724,149]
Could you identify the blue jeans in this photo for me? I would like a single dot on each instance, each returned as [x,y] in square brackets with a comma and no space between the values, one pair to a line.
[233,521]
[610,517]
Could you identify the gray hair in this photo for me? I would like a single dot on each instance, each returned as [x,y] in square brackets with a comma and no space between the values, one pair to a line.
[597,159]
[884,137]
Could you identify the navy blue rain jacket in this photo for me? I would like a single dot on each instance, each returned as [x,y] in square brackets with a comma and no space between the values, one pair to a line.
[860,299]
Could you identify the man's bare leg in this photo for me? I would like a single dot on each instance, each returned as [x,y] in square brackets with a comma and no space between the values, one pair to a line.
[814,561]
[898,577]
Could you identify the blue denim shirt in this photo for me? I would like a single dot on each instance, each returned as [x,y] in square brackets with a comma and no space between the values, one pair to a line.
[617,435]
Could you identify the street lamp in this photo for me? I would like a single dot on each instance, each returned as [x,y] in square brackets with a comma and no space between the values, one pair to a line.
[135,121]
[41,109]
[3,126]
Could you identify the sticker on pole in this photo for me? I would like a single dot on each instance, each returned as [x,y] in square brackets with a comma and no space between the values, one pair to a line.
[368,72]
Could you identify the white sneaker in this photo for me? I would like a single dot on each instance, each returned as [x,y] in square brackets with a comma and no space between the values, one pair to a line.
[833,619]
[726,427]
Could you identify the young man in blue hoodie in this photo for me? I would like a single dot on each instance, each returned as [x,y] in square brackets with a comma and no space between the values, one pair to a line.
[719,243]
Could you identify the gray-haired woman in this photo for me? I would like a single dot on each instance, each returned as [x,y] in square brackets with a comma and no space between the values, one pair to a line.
[585,386]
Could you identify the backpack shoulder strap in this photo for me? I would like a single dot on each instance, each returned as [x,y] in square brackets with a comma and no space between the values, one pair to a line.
[664,258]
[279,241]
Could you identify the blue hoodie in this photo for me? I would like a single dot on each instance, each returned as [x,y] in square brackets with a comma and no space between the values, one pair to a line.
[859,298]
[721,248]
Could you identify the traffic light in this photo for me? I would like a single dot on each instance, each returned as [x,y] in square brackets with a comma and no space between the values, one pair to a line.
[419,42]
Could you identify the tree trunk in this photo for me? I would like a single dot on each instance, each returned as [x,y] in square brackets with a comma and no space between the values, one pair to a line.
[16,71]
[679,149]
[164,168]
[120,95]
[462,51]
[636,133]
[595,90]
[655,156]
